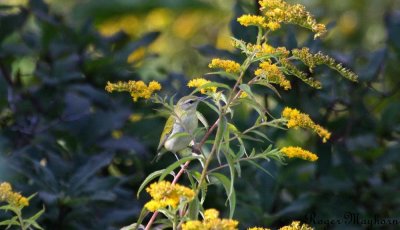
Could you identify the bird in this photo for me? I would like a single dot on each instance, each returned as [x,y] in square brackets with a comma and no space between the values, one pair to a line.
[178,129]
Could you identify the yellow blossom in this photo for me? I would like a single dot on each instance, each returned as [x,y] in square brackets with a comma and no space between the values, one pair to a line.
[272,73]
[296,225]
[13,198]
[117,134]
[137,89]
[273,26]
[198,82]
[297,119]
[312,60]
[165,194]
[210,222]
[258,228]
[278,11]
[252,20]
[243,94]
[137,55]
[266,49]
[297,152]
[228,65]
[135,117]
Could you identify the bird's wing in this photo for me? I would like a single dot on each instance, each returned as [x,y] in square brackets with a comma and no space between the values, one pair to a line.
[166,132]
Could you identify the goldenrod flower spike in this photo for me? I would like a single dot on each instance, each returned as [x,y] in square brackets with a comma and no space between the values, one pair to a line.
[297,152]
[13,198]
[296,119]
[252,20]
[312,60]
[272,73]
[137,89]
[166,194]
[198,82]
[296,225]
[228,65]
[210,222]
[278,11]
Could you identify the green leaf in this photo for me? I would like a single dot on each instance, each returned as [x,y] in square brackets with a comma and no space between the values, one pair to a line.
[213,107]
[194,207]
[260,167]
[261,135]
[202,119]
[227,185]
[268,85]
[175,165]
[149,178]
[12,221]
[224,74]
[211,84]
[37,215]
[219,136]
[142,215]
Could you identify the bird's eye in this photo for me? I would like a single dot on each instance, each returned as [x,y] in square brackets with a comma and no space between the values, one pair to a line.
[190,101]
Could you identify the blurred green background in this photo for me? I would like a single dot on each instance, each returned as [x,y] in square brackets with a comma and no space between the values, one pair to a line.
[85,153]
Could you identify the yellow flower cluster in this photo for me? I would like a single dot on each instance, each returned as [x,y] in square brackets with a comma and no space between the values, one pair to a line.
[312,60]
[300,74]
[13,198]
[297,119]
[228,65]
[166,194]
[272,73]
[243,94]
[297,152]
[278,11]
[198,82]
[265,49]
[137,89]
[252,20]
[210,222]
[296,225]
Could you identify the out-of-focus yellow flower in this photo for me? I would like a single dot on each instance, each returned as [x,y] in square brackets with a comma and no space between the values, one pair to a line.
[137,55]
[166,194]
[210,222]
[296,225]
[297,152]
[135,117]
[13,198]
[228,65]
[252,20]
[137,89]
[198,82]
[127,23]
[272,73]
[243,95]
[117,134]
[297,119]
[278,11]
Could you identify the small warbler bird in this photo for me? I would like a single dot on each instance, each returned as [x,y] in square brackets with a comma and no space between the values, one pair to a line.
[183,120]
